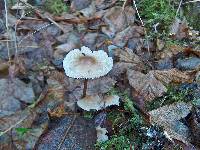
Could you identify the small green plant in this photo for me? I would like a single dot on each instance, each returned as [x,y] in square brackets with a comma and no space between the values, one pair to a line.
[172,95]
[115,143]
[88,114]
[22,131]
[124,125]
[157,11]
[56,7]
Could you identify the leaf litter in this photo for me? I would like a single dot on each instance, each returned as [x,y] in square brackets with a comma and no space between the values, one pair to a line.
[38,98]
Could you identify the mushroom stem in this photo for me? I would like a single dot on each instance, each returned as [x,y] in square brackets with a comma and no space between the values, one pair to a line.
[85,88]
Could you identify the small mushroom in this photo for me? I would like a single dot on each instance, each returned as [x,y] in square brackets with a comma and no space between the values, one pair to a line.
[111,100]
[87,64]
[90,102]
[101,134]
[95,102]
[20,6]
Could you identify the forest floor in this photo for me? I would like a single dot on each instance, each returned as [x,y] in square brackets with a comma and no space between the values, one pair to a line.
[153,88]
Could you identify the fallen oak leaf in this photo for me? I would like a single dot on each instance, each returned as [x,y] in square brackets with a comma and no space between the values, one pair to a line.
[172,75]
[146,85]
[127,60]
[128,56]
[121,38]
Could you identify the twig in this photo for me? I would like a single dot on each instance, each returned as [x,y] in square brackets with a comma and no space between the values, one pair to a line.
[66,132]
[7,28]
[20,121]
[124,5]
[191,2]
[47,17]
[145,32]
[16,45]
[138,13]
[43,27]
[179,6]
[155,27]
[40,98]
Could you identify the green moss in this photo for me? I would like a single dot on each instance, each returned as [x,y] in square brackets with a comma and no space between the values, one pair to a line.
[115,143]
[57,7]
[124,124]
[170,97]
[192,13]
[88,114]
[22,131]
[157,11]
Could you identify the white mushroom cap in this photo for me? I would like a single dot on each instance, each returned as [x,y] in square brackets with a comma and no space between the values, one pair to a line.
[95,102]
[111,100]
[90,102]
[86,64]
[19,5]
[101,134]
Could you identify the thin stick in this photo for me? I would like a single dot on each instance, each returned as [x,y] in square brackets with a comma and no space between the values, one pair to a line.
[145,32]
[138,13]
[46,16]
[179,6]
[66,132]
[7,28]
[20,121]
[85,88]
[124,4]
[194,1]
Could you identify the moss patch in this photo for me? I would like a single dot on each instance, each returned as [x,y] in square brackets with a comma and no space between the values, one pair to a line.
[56,7]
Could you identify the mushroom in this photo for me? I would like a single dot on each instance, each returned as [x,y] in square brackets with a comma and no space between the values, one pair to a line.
[87,64]
[95,102]
[20,6]
[101,134]
[111,100]
[90,102]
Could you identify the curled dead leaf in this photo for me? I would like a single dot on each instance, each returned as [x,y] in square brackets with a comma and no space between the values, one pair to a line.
[146,85]
[172,75]
[127,60]
[168,117]
[122,37]
[171,50]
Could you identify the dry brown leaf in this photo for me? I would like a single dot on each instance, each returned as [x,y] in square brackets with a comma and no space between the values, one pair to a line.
[196,51]
[118,19]
[169,116]
[128,56]
[23,118]
[56,89]
[122,37]
[171,50]
[57,112]
[103,4]
[179,29]
[146,85]
[172,75]
[127,60]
